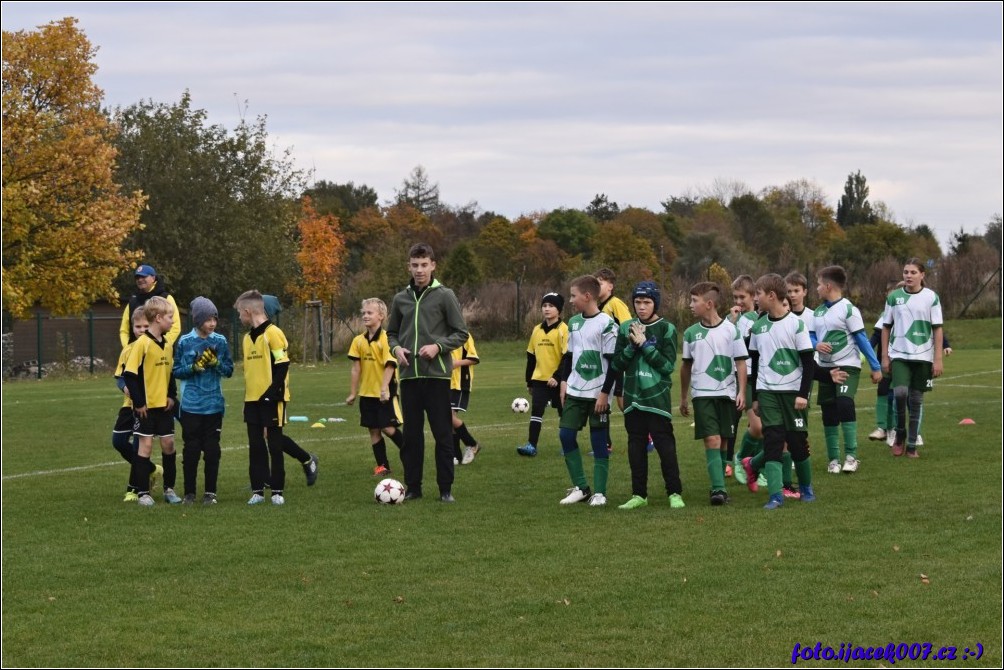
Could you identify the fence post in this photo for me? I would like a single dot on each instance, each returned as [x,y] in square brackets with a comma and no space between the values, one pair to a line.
[38,342]
[90,336]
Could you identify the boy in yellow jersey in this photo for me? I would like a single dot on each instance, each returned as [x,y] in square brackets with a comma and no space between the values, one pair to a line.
[125,424]
[151,387]
[266,371]
[464,360]
[373,383]
[548,344]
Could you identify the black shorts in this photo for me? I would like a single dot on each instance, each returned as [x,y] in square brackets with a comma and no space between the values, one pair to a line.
[125,422]
[541,394]
[459,400]
[159,422]
[268,414]
[376,414]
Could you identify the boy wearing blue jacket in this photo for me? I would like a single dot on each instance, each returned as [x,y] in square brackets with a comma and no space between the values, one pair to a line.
[201,360]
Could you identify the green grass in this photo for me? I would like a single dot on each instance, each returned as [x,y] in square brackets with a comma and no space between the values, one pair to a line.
[505,577]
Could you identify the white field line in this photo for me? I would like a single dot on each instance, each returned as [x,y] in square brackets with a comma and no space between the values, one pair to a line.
[356,437]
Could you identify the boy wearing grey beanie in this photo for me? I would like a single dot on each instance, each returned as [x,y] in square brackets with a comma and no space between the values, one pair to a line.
[201,360]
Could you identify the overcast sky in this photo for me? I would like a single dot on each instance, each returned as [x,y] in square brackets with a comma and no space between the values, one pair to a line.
[526,107]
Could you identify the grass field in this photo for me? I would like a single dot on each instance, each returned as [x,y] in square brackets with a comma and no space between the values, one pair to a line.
[902,551]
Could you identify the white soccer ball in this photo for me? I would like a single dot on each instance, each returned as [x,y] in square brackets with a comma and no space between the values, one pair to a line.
[389,492]
[520,405]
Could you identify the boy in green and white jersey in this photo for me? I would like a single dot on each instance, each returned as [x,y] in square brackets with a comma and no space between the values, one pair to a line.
[840,341]
[782,372]
[586,381]
[714,372]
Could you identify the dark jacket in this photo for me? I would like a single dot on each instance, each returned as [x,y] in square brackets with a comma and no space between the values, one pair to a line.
[430,316]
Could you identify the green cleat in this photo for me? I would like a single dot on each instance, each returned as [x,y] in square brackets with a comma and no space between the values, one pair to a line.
[676,501]
[634,503]
[739,472]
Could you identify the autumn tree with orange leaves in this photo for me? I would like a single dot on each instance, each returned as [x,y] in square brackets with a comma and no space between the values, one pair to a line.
[64,218]
[321,255]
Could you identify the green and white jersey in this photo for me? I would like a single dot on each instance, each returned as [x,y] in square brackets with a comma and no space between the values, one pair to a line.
[912,318]
[590,340]
[745,323]
[713,351]
[808,317]
[835,325]
[779,344]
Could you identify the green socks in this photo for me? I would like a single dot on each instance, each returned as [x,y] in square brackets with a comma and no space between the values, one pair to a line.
[882,411]
[715,474]
[786,469]
[832,435]
[850,431]
[750,447]
[573,461]
[804,471]
[773,471]
[601,470]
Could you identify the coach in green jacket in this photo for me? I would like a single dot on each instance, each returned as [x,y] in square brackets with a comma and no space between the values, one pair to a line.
[425,325]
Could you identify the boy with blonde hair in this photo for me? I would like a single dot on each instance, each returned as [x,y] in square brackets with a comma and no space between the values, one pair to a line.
[123,440]
[152,389]
[266,394]
[373,382]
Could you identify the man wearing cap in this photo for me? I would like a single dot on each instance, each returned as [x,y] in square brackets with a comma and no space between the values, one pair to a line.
[147,286]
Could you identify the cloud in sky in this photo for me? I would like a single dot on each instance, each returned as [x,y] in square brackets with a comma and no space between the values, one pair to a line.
[532,106]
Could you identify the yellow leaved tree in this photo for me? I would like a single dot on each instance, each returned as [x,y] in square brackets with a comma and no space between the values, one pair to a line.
[64,219]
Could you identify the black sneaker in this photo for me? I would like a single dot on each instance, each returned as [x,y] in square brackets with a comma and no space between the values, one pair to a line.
[719,498]
[310,469]
[412,495]
[209,499]
[189,499]
[447,498]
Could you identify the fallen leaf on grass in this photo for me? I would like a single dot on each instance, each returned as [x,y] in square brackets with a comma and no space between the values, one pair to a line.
[875,593]
[924,579]
[399,599]
[895,547]
[969,518]
[565,601]
[777,553]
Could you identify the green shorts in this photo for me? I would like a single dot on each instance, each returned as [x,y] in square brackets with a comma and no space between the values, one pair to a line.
[714,416]
[578,411]
[829,391]
[916,375]
[778,409]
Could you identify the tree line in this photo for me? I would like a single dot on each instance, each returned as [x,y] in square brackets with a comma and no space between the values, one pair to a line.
[87,192]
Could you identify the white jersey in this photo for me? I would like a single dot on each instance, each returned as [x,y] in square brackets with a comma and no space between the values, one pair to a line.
[745,323]
[779,344]
[713,351]
[911,318]
[591,340]
[808,317]
[835,325]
